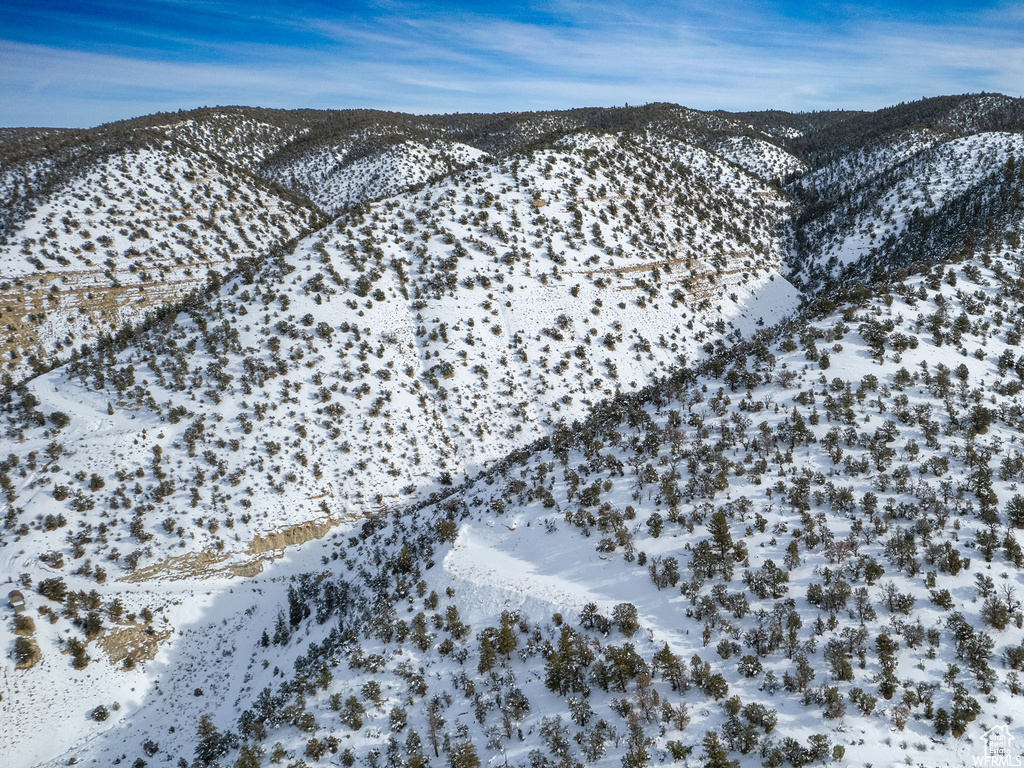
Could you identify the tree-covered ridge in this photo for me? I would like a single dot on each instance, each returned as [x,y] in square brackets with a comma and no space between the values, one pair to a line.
[911,202]
[951,116]
[121,235]
[771,557]
[432,332]
[529,453]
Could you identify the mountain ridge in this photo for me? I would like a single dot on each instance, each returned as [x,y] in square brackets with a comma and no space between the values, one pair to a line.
[603,446]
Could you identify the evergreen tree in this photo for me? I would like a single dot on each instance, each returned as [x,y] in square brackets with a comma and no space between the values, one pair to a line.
[638,753]
[463,754]
[212,744]
[715,754]
[281,633]
[507,640]
[487,654]
[721,544]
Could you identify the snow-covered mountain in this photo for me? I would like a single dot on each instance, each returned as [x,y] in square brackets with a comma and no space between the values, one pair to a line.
[910,200]
[95,244]
[602,437]
[434,331]
[337,177]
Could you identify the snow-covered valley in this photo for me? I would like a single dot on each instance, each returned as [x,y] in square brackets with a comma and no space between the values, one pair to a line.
[567,446]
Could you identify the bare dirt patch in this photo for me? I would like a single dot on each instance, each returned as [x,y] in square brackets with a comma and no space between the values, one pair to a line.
[261,550]
[139,642]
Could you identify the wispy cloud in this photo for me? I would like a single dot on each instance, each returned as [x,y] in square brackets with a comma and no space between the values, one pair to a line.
[167,54]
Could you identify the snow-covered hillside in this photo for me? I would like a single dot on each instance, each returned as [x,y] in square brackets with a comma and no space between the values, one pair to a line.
[568,438]
[340,176]
[137,231]
[801,551]
[863,166]
[903,202]
[761,158]
[240,139]
[403,347]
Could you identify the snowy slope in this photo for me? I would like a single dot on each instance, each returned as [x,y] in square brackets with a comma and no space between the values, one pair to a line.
[864,165]
[899,195]
[337,177]
[786,468]
[240,139]
[137,230]
[410,343]
[533,462]
[761,158]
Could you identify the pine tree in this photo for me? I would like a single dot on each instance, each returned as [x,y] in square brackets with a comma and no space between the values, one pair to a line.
[625,617]
[463,755]
[721,544]
[715,755]
[507,640]
[886,648]
[281,633]
[672,669]
[487,655]
[435,722]
[638,753]
[249,757]
[212,743]
[352,713]
[792,558]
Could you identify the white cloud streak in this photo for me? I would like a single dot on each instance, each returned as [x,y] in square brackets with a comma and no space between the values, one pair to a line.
[597,55]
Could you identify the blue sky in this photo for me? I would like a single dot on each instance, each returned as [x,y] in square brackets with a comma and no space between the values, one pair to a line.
[78,64]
